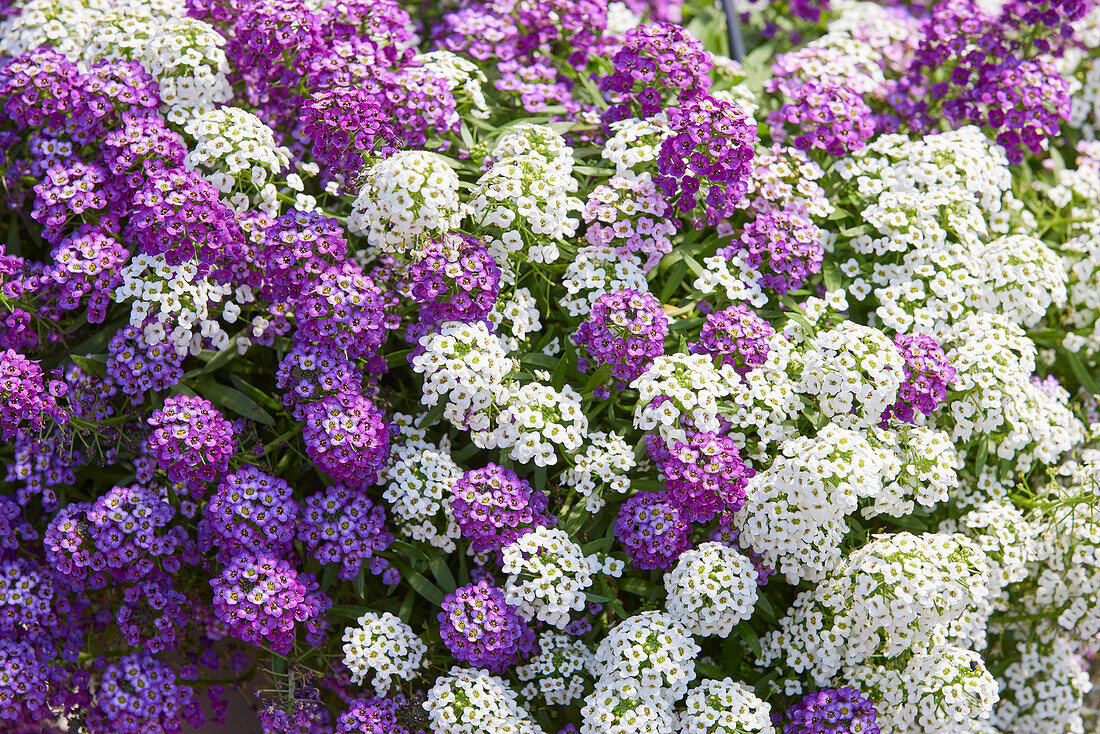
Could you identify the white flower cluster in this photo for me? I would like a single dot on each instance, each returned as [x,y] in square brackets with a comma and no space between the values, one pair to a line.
[622,705]
[559,671]
[464,78]
[794,512]
[515,317]
[765,403]
[187,59]
[1043,689]
[1021,279]
[598,270]
[681,385]
[467,701]
[711,589]
[237,153]
[1083,72]
[384,644]
[733,277]
[853,372]
[411,195]
[725,707]
[924,473]
[892,33]
[835,57]
[603,461]
[1005,536]
[418,478]
[547,575]
[634,146]
[629,214]
[121,34]
[66,25]
[172,302]
[653,649]
[783,177]
[946,690]
[888,599]
[465,366]
[522,204]
[537,423]
[995,399]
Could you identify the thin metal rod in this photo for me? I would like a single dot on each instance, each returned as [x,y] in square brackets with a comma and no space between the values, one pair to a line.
[733,31]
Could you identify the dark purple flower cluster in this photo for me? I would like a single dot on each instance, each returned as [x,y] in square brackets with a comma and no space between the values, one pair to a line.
[136,366]
[346,309]
[341,525]
[177,214]
[74,190]
[345,125]
[132,530]
[84,271]
[927,373]
[736,336]
[370,716]
[1032,19]
[299,713]
[25,398]
[626,331]
[297,249]
[153,614]
[141,144]
[251,512]
[348,438]
[494,506]
[704,165]
[481,628]
[26,596]
[455,279]
[14,528]
[310,373]
[652,530]
[825,116]
[784,245]
[658,62]
[261,599]
[705,475]
[832,711]
[25,681]
[139,694]
[191,441]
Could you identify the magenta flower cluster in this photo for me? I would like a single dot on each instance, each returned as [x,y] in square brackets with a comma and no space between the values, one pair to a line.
[705,475]
[251,512]
[191,441]
[830,711]
[341,525]
[652,530]
[480,627]
[625,331]
[493,507]
[735,336]
[927,373]
[784,245]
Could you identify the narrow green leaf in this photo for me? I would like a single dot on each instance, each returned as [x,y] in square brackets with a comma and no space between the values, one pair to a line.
[89,365]
[748,634]
[348,611]
[256,393]
[442,574]
[419,584]
[234,400]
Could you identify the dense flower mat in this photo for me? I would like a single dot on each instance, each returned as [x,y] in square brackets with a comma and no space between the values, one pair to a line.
[531,366]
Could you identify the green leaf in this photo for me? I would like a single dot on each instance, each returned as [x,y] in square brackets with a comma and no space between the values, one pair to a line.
[256,393]
[348,611]
[673,280]
[596,546]
[219,359]
[419,584]
[748,634]
[706,670]
[328,575]
[89,365]
[1081,372]
[234,400]
[432,416]
[640,587]
[360,583]
[442,574]
[538,359]
[831,274]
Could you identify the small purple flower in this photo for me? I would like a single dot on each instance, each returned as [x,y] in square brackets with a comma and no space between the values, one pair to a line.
[824,116]
[251,512]
[153,614]
[493,507]
[481,628]
[137,367]
[312,372]
[784,245]
[705,475]
[652,530]
[348,438]
[370,716]
[344,308]
[297,249]
[926,375]
[736,336]
[25,400]
[139,694]
[831,711]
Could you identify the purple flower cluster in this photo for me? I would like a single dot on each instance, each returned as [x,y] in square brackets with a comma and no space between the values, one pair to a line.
[343,526]
[784,245]
[153,614]
[625,330]
[345,125]
[310,373]
[494,507]
[136,366]
[705,475]
[26,596]
[1026,16]
[927,372]
[84,271]
[832,711]
[704,165]
[177,214]
[25,399]
[25,685]
[191,441]
[631,216]
[251,512]
[736,336]
[455,279]
[652,530]
[481,628]
[132,530]
[348,438]
[344,308]
[139,694]
[825,116]
[370,716]
[297,249]
[74,190]
[261,599]
[14,528]
[657,62]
